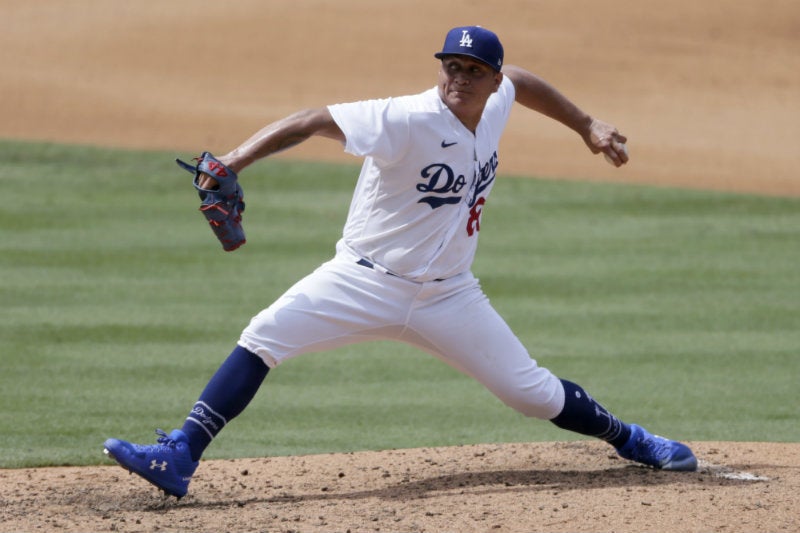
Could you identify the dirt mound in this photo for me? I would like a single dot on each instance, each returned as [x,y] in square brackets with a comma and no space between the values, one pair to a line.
[578,486]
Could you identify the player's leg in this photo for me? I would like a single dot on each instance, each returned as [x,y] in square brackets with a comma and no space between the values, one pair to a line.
[340,303]
[582,414]
[320,312]
[477,341]
[171,463]
[459,325]
[226,395]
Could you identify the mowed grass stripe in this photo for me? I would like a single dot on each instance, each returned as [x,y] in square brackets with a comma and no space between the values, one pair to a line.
[678,309]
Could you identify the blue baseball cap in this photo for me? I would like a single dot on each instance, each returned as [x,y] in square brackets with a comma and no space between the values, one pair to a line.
[476,42]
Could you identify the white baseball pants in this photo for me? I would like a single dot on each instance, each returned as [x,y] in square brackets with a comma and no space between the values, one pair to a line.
[343,302]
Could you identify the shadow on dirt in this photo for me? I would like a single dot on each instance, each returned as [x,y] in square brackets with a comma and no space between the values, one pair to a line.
[491,482]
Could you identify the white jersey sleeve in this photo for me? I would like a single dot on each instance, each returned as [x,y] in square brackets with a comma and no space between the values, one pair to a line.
[377,128]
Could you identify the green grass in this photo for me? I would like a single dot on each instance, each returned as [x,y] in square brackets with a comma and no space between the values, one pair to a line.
[677,309]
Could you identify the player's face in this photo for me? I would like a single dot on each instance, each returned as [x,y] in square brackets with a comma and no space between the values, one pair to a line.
[464,86]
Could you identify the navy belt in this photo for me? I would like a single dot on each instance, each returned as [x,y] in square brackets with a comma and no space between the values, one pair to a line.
[368,264]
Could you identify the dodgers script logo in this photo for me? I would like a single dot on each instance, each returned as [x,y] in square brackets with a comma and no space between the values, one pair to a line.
[206,417]
[444,187]
[441,180]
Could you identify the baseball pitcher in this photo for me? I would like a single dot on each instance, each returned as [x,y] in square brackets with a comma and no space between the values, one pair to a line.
[402,266]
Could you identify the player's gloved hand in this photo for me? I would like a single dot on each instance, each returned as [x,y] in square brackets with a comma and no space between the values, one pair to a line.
[222,204]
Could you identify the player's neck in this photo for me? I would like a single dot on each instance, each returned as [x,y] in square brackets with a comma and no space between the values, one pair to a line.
[469,120]
[469,117]
[471,125]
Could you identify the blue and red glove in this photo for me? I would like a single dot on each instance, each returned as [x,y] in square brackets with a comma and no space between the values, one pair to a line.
[223,205]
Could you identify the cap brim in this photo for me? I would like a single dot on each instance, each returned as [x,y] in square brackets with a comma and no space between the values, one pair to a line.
[442,55]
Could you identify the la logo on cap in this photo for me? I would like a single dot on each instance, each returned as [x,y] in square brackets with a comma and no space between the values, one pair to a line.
[473,41]
[466,40]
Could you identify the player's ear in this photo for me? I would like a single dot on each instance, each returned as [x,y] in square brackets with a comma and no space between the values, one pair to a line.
[498,79]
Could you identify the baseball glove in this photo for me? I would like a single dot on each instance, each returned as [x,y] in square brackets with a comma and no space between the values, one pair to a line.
[223,205]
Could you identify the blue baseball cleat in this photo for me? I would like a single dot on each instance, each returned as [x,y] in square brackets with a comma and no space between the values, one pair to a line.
[168,465]
[657,452]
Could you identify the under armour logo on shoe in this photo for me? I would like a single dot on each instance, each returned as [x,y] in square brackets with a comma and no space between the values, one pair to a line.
[466,40]
[162,466]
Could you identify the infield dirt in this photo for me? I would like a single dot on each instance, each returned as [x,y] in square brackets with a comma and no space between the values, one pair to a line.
[707,93]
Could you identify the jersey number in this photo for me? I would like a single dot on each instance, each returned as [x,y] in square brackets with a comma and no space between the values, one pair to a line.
[474,222]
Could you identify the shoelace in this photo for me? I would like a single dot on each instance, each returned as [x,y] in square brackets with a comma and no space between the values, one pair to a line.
[654,447]
[165,439]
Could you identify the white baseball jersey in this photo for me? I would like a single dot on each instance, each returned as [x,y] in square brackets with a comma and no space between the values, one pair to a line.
[416,208]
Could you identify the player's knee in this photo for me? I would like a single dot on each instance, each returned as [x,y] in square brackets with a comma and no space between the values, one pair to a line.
[544,400]
[543,411]
[260,351]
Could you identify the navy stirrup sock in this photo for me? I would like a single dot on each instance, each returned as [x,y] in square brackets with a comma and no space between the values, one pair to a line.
[583,415]
[227,394]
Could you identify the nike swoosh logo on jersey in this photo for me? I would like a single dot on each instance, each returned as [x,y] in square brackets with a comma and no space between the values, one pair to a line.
[446,144]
